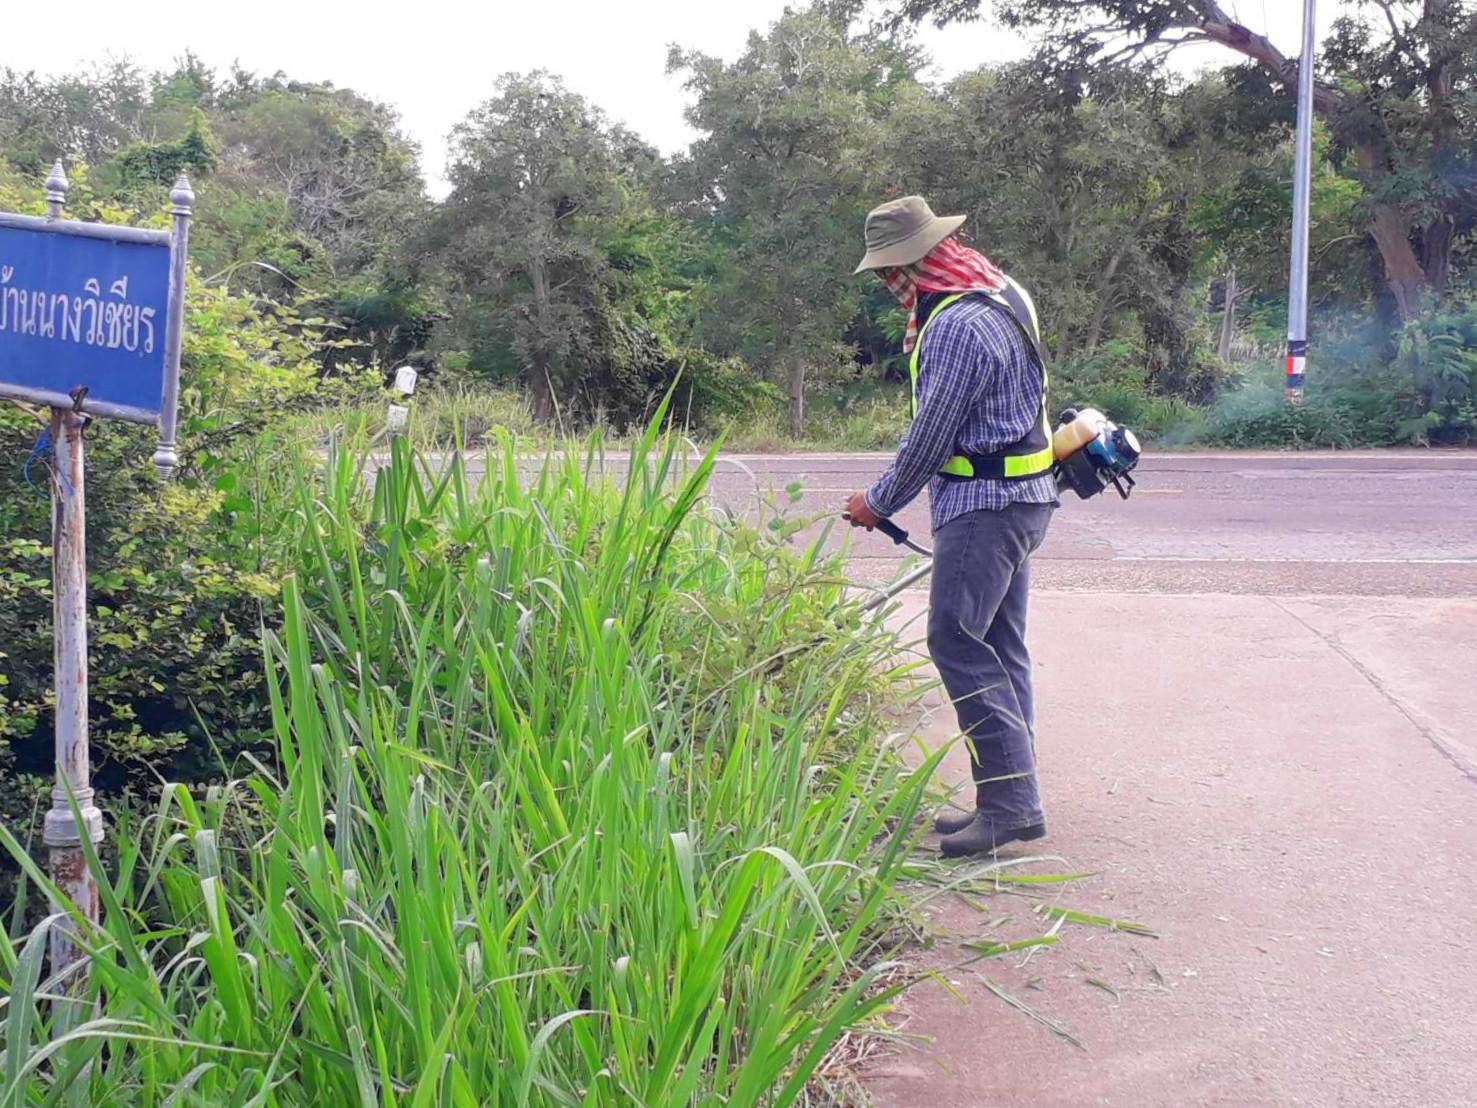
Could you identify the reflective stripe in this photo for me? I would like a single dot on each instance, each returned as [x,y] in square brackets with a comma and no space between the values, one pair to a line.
[958,466]
[918,346]
[1028,465]
[1015,466]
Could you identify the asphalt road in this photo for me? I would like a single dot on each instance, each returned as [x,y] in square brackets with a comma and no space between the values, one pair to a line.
[1356,523]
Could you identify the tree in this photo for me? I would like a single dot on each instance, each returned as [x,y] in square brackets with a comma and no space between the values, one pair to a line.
[1084,192]
[1395,102]
[349,177]
[539,177]
[781,179]
[83,117]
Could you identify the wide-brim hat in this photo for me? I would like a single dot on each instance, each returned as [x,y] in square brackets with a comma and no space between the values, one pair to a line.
[902,232]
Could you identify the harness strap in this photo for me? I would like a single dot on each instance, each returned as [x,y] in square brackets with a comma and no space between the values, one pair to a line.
[1032,455]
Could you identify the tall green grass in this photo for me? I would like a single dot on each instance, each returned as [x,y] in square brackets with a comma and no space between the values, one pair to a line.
[580,797]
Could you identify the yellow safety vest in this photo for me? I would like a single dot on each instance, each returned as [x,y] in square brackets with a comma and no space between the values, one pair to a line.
[1033,455]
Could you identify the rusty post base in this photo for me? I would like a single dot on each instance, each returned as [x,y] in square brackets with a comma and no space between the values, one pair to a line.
[68,866]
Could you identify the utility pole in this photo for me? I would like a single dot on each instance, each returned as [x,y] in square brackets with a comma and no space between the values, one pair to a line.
[1302,180]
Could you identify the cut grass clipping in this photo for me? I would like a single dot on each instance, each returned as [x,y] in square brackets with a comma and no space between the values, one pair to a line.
[559,814]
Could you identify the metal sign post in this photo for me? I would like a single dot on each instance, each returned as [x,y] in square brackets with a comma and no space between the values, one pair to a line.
[62,833]
[82,308]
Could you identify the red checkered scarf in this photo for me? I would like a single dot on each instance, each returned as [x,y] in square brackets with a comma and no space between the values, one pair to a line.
[948,267]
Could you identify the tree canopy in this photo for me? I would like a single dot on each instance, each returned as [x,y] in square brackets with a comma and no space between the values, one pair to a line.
[1147,211]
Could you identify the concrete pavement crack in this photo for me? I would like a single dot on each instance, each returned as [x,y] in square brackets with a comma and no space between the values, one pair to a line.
[1452,751]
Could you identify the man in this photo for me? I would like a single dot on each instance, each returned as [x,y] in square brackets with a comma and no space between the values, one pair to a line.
[981,443]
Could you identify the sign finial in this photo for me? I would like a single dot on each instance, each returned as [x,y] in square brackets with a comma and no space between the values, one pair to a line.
[57,187]
[182,196]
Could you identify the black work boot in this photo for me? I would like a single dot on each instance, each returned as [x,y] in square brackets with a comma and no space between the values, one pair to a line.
[951,820]
[983,837]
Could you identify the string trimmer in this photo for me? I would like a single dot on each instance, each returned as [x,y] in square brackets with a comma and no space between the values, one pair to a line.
[1092,452]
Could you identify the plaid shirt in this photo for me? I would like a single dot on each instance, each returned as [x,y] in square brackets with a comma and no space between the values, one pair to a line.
[979,390]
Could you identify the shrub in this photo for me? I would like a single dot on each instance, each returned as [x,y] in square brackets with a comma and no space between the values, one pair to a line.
[714,391]
[1440,355]
[1334,414]
[867,418]
[441,417]
[176,574]
[1114,379]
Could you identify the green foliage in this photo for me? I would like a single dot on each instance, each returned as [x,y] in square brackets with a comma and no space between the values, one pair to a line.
[715,391]
[349,179]
[1261,418]
[1439,353]
[442,417]
[144,165]
[554,256]
[780,176]
[1114,379]
[305,192]
[243,239]
[85,116]
[869,417]
[578,798]
[1241,222]
[176,574]
[1394,106]
[573,259]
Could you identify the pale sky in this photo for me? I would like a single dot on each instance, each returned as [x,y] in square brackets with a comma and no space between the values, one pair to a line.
[435,60]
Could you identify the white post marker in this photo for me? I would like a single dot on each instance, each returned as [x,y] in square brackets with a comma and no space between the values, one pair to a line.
[397,416]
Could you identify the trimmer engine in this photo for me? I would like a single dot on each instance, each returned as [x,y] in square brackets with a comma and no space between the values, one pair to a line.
[1093,452]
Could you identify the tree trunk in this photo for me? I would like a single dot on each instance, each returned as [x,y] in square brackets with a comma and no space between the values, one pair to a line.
[1436,260]
[797,397]
[1228,321]
[1102,294]
[1403,273]
[541,381]
[1390,229]
[538,389]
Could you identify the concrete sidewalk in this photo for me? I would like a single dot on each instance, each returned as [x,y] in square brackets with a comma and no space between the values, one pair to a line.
[1280,787]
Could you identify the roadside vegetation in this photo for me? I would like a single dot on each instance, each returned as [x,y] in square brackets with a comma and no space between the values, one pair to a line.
[565,792]
[572,263]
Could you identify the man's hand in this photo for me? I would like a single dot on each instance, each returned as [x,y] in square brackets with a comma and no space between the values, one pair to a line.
[858,514]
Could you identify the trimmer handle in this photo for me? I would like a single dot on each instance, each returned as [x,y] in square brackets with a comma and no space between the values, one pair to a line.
[898,536]
[893,531]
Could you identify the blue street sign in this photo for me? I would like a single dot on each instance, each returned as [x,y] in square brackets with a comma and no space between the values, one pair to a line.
[91,324]
[81,308]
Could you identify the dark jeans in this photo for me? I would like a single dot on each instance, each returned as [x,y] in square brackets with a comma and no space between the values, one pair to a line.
[977,636]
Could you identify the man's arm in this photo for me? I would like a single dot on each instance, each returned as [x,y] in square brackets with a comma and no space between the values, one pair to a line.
[951,373]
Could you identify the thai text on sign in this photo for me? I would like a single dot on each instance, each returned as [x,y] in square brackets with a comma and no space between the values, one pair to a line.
[80,309]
